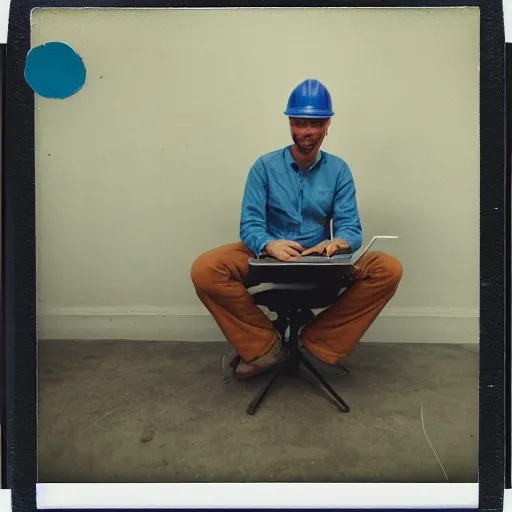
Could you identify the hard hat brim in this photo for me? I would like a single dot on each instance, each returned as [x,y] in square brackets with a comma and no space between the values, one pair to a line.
[308,116]
[312,114]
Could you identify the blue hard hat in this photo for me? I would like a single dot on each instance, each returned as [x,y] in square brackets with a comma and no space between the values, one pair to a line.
[310,99]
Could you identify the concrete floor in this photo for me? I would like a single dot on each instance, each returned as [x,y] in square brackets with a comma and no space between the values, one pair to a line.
[160,412]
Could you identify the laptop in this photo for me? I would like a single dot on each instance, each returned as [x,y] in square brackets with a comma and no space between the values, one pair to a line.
[323,259]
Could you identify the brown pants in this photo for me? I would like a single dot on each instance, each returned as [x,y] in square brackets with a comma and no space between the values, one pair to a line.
[218,276]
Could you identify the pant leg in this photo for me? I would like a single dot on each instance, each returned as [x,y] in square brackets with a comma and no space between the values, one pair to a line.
[218,277]
[336,331]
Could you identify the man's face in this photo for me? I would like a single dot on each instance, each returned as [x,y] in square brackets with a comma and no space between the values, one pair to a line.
[308,134]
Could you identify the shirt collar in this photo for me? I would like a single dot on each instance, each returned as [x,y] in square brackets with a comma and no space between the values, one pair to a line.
[291,161]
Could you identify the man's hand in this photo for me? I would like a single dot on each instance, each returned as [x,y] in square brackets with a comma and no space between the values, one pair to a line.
[284,250]
[329,247]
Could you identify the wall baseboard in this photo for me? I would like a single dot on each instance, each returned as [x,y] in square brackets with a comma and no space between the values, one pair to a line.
[394,325]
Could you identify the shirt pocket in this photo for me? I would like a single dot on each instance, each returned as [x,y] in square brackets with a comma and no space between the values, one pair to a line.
[322,198]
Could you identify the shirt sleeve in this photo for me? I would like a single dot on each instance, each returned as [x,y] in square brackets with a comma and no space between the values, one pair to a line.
[346,221]
[253,222]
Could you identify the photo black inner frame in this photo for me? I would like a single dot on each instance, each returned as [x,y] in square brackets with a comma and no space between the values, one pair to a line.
[19,454]
[508,280]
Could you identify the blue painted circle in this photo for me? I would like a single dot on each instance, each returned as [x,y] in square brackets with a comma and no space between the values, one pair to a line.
[54,70]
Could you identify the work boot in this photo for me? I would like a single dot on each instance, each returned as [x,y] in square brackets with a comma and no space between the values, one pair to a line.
[274,356]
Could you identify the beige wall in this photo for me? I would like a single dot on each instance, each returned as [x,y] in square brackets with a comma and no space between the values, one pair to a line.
[144,168]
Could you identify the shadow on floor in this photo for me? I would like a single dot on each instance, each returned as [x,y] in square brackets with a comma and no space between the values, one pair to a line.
[145,411]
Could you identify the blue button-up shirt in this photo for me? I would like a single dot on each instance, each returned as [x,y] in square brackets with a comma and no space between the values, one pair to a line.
[283,202]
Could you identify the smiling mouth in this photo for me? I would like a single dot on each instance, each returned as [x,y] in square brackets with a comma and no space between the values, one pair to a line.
[305,145]
[305,148]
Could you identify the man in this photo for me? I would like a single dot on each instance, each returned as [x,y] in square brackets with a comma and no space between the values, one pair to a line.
[290,196]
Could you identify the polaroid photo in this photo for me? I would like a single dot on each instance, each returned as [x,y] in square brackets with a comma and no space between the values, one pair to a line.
[156,156]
